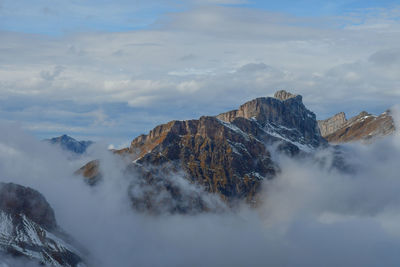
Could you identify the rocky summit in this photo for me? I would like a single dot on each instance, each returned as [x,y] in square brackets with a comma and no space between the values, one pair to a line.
[363,127]
[332,124]
[28,228]
[227,155]
[283,116]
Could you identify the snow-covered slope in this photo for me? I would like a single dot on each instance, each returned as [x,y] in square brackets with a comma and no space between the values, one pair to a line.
[28,229]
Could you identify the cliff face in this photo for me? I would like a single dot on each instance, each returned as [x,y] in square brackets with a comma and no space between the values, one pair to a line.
[226,155]
[363,127]
[219,156]
[332,124]
[284,111]
[28,228]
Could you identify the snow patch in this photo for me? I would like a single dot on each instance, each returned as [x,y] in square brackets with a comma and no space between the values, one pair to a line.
[234,128]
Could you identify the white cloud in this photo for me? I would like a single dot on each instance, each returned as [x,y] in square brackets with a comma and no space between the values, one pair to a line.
[235,54]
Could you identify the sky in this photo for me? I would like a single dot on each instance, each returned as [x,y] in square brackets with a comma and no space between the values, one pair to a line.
[110,71]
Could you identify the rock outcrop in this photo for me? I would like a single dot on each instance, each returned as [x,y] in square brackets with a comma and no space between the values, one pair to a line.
[28,228]
[91,172]
[226,155]
[332,124]
[363,127]
[283,95]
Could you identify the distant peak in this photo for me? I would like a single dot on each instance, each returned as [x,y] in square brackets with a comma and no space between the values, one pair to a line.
[284,95]
[71,144]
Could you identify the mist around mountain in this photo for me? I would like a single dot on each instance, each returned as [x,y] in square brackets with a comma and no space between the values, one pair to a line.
[308,213]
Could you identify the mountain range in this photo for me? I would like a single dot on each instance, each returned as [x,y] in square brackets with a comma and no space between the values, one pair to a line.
[363,127]
[173,167]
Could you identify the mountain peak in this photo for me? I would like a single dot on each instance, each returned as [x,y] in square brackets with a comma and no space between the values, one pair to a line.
[18,199]
[225,154]
[284,95]
[284,110]
[66,142]
[29,228]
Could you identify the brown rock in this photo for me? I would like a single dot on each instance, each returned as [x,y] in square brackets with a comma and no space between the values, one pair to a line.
[225,155]
[222,160]
[90,171]
[363,127]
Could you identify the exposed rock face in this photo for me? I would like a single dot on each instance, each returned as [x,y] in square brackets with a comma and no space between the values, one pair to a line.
[332,124]
[363,127]
[70,144]
[28,228]
[220,156]
[283,95]
[90,171]
[227,154]
[284,111]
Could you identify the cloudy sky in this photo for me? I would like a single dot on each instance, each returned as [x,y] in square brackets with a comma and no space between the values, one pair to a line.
[105,70]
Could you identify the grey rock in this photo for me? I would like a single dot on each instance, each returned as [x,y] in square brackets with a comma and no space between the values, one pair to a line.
[283,95]
[332,124]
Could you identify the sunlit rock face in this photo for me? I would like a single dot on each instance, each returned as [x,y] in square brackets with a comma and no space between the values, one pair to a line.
[332,124]
[28,228]
[227,155]
[363,127]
